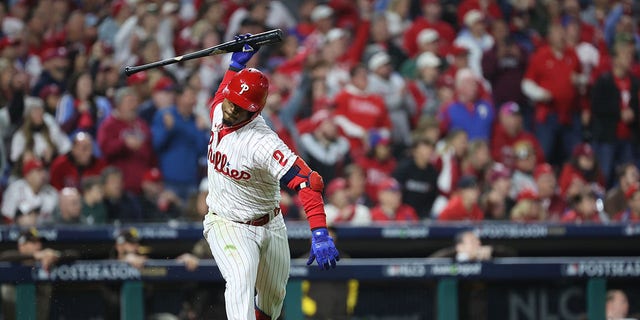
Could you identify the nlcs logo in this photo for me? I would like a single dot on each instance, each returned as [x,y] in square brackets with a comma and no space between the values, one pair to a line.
[243,87]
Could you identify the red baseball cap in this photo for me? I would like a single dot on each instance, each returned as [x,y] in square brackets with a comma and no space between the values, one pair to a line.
[389,184]
[52,53]
[499,171]
[138,78]
[583,149]
[543,168]
[48,90]
[164,84]
[33,164]
[335,185]
[528,194]
[458,50]
[152,175]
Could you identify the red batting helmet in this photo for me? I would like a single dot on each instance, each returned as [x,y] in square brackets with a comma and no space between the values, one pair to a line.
[248,90]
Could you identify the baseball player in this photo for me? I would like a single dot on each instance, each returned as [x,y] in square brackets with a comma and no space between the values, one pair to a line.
[244,228]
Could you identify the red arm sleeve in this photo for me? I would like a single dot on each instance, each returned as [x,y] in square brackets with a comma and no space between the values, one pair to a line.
[354,55]
[110,141]
[309,186]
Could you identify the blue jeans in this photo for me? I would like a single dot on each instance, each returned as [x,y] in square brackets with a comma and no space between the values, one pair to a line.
[554,137]
[612,154]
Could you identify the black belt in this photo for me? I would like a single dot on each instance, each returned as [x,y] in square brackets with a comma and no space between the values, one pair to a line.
[261,221]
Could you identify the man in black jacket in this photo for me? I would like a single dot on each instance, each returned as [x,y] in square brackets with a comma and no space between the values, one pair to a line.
[614,107]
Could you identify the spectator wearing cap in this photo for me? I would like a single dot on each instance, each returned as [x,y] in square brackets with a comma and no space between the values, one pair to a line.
[468,112]
[158,204]
[425,88]
[495,201]
[527,207]
[121,205]
[428,41]
[322,20]
[125,140]
[178,137]
[583,164]
[163,96]
[508,131]
[463,206]
[551,82]
[80,108]
[39,134]
[378,163]
[324,148]
[389,84]
[489,8]
[94,211]
[69,169]
[431,18]
[340,209]
[51,95]
[632,212]
[127,248]
[121,10]
[475,38]
[390,206]
[477,160]
[448,164]
[418,177]
[358,111]
[583,208]
[547,187]
[615,110]
[503,65]
[55,66]
[33,188]
[524,166]
[31,251]
[69,210]
[628,175]
[28,213]
[381,39]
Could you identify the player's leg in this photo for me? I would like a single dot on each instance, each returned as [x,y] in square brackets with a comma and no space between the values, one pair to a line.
[235,249]
[273,270]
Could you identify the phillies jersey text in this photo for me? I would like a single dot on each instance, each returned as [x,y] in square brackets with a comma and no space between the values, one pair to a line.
[245,165]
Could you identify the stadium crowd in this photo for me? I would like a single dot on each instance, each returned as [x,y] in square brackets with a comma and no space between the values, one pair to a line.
[411,110]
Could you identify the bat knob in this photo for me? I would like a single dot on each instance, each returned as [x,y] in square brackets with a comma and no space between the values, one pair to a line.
[128,71]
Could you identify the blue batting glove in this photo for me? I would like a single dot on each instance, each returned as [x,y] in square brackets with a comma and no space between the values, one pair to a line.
[239,59]
[322,249]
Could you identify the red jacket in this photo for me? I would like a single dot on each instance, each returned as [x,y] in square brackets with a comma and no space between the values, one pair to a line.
[502,145]
[66,173]
[403,213]
[455,211]
[133,163]
[569,172]
[554,75]
[375,172]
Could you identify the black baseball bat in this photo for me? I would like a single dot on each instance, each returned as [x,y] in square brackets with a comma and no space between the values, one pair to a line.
[258,39]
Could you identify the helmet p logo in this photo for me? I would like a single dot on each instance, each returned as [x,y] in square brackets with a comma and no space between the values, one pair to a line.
[243,87]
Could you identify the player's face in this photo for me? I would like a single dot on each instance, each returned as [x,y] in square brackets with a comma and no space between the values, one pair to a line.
[233,114]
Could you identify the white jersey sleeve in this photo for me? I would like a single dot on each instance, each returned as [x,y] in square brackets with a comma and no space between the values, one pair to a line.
[273,156]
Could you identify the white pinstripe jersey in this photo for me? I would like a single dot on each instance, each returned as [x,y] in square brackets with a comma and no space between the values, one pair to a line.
[245,168]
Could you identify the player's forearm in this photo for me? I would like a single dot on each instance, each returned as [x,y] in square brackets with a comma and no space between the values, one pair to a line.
[309,186]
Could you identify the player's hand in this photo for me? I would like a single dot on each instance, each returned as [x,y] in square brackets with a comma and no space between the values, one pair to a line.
[323,250]
[239,59]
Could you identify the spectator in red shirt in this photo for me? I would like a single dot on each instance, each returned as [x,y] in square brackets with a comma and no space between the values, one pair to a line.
[551,82]
[431,19]
[464,204]
[615,112]
[507,132]
[632,213]
[358,111]
[378,164]
[390,206]
[583,208]
[528,208]
[125,140]
[67,170]
[552,203]
[583,163]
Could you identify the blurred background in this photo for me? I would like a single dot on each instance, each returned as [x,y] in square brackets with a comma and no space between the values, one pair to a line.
[480,157]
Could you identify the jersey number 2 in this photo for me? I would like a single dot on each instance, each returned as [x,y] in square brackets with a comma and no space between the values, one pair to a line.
[279,156]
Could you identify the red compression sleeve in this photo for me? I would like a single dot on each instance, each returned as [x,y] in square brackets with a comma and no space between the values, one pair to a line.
[310,194]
